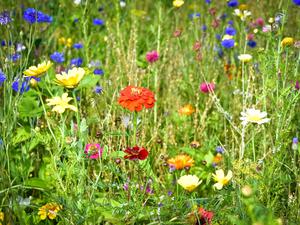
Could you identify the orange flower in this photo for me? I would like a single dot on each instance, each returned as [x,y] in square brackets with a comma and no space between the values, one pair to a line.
[135,98]
[217,158]
[181,161]
[187,110]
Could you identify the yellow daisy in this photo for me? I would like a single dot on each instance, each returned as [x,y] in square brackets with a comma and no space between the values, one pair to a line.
[70,79]
[39,70]
[61,103]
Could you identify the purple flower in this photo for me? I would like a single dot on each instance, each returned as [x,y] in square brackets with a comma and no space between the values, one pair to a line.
[15,57]
[297,85]
[78,46]
[230,31]
[98,22]
[251,44]
[4,18]
[152,56]
[233,3]
[2,77]
[98,90]
[57,57]
[76,62]
[228,43]
[21,87]
[98,72]
[296,2]
[219,149]
[32,16]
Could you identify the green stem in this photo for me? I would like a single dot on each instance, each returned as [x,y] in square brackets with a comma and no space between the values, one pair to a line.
[134,128]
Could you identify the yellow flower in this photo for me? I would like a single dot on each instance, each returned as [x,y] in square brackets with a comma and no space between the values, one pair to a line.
[178,3]
[49,210]
[181,161]
[70,79]
[187,110]
[245,58]
[61,103]
[287,41]
[2,216]
[189,182]
[221,179]
[37,71]
[67,42]
[254,116]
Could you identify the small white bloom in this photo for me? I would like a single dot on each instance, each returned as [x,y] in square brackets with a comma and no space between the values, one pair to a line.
[254,116]
[245,57]
[242,14]
[77,2]
[122,4]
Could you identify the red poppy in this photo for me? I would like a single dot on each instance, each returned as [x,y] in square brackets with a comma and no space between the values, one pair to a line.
[136,153]
[135,98]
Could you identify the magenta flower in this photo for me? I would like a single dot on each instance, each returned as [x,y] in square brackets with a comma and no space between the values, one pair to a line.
[152,56]
[93,151]
[297,86]
[207,87]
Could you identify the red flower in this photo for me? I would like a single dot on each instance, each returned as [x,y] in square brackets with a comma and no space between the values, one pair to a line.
[205,216]
[136,153]
[135,98]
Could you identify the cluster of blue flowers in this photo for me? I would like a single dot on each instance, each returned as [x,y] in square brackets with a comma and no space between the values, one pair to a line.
[5,18]
[57,57]
[33,16]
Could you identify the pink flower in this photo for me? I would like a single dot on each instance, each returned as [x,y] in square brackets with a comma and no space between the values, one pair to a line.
[207,87]
[152,56]
[297,86]
[260,22]
[93,151]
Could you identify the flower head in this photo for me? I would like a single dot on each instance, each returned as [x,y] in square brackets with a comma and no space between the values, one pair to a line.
[232,3]
[135,153]
[178,3]
[49,210]
[98,22]
[228,41]
[189,182]
[5,18]
[254,116]
[245,58]
[221,179]
[187,110]
[243,14]
[57,57]
[287,41]
[77,62]
[135,98]
[296,2]
[204,217]
[32,16]
[61,103]
[2,77]
[180,162]
[207,87]
[70,79]
[39,70]
[152,56]
[93,151]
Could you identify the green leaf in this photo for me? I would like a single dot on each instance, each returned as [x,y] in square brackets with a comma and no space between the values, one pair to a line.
[28,107]
[89,81]
[37,183]
[22,135]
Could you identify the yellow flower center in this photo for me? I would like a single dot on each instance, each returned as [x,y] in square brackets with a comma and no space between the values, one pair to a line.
[255,118]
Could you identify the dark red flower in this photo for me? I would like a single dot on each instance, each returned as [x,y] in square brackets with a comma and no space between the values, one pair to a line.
[135,153]
[135,98]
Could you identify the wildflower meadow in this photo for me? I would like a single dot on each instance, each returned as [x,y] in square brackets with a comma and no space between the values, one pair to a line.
[149,112]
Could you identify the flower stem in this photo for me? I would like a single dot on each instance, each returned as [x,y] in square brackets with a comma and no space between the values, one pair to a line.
[134,128]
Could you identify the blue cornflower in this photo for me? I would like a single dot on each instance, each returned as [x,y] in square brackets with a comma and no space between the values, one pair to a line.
[230,22]
[76,62]
[78,45]
[98,22]
[32,16]
[207,1]
[296,2]
[194,15]
[15,57]
[57,57]
[2,77]
[75,20]
[218,36]
[98,90]
[219,149]
[4,18]
[204,28]
[24,85]
[233,3]
[251,44]
[98,72]
[228,43]
[223,16]
[230,31]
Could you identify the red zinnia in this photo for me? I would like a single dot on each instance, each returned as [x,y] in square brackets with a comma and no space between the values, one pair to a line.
[136,153]
[135,98]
